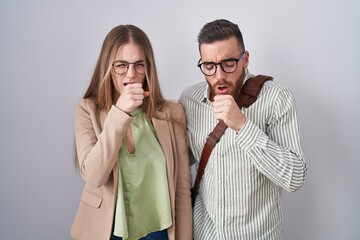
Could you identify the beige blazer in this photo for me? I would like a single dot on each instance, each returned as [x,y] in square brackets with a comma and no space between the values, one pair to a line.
[98,139]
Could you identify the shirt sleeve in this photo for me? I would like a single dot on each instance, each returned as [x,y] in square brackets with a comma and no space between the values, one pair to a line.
[276,152]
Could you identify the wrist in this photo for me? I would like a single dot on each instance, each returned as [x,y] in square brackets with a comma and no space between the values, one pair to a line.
[240,125]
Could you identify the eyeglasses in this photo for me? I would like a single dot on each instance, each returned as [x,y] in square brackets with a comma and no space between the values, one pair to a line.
[121,67]
[228,65]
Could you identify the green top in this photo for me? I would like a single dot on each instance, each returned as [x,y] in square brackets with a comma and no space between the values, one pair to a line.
[143,202]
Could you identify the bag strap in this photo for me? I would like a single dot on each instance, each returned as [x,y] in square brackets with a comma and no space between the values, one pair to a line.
[248,95]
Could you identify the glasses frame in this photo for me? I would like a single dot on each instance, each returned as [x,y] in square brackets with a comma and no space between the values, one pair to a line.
[221,64]
[128,66]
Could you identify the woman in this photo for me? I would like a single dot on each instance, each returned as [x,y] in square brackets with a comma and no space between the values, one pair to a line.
[131,148]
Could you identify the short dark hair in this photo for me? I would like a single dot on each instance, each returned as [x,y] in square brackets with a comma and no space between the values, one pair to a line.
[218,30]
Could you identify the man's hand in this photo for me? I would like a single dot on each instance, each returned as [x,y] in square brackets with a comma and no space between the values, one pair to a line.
[226,109]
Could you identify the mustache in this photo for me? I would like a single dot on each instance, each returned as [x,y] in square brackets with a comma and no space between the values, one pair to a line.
[222,83]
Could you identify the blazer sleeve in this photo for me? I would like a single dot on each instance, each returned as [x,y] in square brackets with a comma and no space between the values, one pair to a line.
[97,148]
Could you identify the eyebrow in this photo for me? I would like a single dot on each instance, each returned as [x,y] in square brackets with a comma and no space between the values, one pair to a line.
[220,61]
[138,61]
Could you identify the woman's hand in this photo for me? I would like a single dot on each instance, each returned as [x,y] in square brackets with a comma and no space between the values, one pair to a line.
[131,97]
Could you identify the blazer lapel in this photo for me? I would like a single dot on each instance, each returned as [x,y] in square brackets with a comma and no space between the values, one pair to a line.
[103,115]
[163,133]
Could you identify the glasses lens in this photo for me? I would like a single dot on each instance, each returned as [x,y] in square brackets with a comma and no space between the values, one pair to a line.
[229,65]
[208,68]
[139,68]
[120,67]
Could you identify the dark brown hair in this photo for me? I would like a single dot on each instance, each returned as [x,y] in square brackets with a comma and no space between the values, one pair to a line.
[219,30]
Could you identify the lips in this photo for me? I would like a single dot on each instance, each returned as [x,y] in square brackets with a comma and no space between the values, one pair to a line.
[222,89]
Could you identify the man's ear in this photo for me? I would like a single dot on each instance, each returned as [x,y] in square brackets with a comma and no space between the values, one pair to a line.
[246,58]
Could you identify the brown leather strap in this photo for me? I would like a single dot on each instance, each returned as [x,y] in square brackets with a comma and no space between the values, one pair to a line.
[248,95]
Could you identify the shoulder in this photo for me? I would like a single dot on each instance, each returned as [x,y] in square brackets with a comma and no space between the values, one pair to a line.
[86,105]
[173,108]
[87,109]
[174,111]
[201,86]
[195,90]
[277,97]
[277,90]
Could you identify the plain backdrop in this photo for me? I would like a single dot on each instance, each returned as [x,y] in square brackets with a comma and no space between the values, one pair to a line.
[48,50]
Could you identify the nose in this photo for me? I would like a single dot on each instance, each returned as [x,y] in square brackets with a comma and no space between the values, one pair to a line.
[131,73]
[220,74]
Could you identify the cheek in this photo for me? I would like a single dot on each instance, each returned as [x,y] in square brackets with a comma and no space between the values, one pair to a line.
[211,80]
[238,78]
[234,80]
[118,83]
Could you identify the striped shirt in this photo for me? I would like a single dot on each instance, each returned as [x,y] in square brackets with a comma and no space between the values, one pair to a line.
[239,195]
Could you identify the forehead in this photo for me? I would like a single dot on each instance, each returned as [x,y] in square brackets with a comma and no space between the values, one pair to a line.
[129,52]
[220,50]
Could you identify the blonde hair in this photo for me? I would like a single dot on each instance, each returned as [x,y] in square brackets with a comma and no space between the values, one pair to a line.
[101,88]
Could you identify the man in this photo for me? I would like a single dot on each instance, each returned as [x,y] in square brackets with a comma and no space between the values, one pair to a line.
[259,153]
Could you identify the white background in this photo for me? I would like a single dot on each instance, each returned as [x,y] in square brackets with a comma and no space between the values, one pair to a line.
[47,54]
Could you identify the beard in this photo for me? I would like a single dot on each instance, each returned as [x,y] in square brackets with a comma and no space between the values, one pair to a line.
[224,87]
